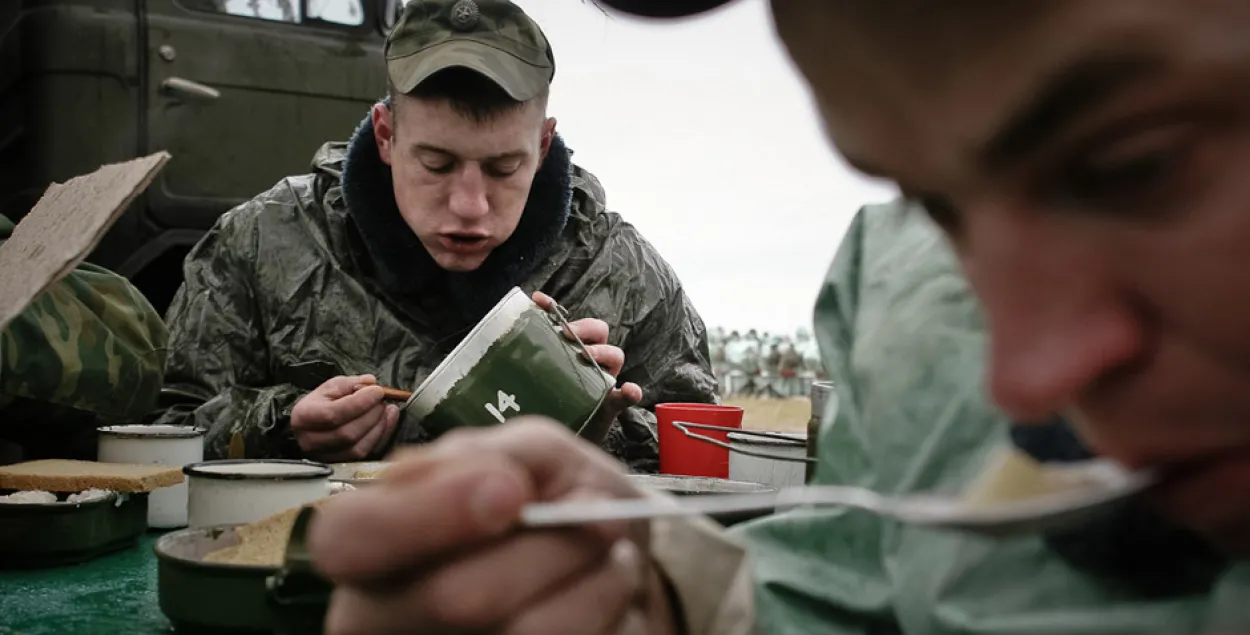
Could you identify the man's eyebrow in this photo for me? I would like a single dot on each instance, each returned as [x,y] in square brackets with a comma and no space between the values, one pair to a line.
[426,147]
[1072,92]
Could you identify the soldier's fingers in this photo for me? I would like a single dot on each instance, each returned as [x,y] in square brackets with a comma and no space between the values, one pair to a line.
[390,423]
[370,535]
[592,604]
[631,393]
[316,412]
[365,447]
[345,436]
[344,385]
[484,589]
[476,492]
[611,358]
[354,405]
[618,400]
[590,330]
[543,300]
[626,396]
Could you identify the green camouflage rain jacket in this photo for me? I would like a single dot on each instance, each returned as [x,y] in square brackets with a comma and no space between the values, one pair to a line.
[320,277]
[88,351]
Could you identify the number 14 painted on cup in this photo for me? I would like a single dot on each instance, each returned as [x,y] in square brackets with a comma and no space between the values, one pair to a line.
[505,403]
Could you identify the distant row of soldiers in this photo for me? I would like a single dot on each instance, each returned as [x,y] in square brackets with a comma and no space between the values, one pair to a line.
[767,365]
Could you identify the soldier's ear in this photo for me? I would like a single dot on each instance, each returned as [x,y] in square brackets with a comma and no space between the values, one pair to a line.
[383,131]
[549,133]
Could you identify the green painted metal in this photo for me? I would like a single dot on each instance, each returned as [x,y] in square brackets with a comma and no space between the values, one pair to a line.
[185,583]
[283,89]
[290,600]
[532,369]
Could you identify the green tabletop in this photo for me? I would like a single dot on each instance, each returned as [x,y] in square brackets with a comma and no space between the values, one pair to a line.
[111,594]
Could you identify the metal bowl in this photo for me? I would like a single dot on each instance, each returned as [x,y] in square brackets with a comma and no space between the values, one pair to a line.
[43,535]
[204,597]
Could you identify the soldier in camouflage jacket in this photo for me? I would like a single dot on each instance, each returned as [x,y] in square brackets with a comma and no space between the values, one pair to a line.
[337,273]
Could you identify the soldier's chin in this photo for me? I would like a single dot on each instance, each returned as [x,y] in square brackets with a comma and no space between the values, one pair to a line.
[460,263]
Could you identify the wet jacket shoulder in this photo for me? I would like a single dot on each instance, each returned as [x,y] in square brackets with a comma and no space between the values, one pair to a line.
[88,350]
[320,276]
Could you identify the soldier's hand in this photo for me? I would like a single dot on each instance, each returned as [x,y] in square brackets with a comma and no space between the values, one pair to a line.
[594,334]
[344,419]
[435,548]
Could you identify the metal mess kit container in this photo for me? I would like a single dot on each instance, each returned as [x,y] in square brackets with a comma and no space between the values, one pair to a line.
[776,461]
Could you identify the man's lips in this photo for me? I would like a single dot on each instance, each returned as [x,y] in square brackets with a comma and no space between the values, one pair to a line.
[463,243]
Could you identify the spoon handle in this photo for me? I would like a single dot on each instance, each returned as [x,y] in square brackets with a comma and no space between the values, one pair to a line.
[596,511]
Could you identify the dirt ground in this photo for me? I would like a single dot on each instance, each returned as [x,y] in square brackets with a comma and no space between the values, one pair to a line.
[777,415]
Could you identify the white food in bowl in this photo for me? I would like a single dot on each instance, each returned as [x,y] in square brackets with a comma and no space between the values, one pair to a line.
[30,497]
[88,495]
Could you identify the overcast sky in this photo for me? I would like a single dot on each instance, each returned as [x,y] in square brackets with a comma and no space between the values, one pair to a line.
[704,138]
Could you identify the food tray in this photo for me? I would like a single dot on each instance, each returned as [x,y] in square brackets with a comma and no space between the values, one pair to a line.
[45,535]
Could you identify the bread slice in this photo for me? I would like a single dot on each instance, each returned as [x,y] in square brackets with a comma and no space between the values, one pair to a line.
[262,543]
[63,475]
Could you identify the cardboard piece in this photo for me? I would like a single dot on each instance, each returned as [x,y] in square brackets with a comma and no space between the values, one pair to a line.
[65,226]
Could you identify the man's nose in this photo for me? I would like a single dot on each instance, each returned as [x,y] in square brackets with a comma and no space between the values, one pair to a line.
[468,199]
[1059,319]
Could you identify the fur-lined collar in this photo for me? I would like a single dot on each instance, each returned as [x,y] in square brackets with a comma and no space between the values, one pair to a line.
[403,266]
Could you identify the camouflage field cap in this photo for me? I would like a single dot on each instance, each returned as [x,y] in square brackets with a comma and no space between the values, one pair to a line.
[493,37]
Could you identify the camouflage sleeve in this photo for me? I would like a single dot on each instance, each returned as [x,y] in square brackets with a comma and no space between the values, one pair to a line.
[90,343]
[666,354]
[217,376]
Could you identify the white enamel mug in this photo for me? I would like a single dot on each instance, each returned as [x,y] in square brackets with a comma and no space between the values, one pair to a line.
[175,446]
[237,492]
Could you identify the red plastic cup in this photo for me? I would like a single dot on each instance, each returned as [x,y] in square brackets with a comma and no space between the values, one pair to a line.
[681,455]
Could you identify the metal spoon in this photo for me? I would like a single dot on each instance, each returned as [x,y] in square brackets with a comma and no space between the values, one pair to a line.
[1094,486]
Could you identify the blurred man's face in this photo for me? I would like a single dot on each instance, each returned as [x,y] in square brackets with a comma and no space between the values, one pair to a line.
[1090,162]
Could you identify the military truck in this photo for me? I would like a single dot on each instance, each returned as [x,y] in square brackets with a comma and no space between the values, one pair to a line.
[240,92]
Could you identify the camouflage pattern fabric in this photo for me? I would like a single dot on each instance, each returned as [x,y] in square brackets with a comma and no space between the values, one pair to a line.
[280,296]
[90,350]
[495,38]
